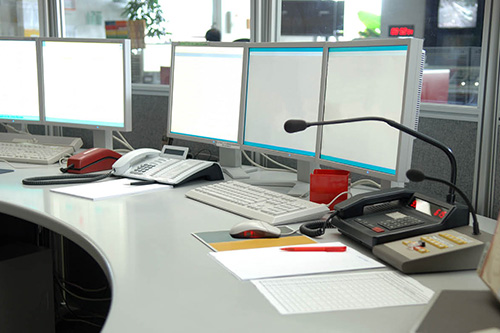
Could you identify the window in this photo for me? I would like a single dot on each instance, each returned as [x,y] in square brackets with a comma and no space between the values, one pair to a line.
[451,30]
[183,21]
[452,98]
[19,18]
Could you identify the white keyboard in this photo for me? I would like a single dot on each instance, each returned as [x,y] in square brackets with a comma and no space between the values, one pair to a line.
[33,153]
[36,149]
[258,203]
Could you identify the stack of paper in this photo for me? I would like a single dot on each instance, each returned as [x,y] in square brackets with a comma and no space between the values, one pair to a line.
[108,189]
[274,262]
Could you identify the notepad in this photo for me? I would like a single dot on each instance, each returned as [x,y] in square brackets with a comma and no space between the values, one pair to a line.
[108,189]
[346,291]
[222,240]
[273,262]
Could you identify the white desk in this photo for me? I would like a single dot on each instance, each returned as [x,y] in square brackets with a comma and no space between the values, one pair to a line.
[163,278]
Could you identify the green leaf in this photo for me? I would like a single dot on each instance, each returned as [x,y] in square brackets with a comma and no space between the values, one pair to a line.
[370,20]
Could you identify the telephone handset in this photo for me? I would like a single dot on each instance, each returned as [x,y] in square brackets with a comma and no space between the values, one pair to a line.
[164,167]
[121,166]
[382,216]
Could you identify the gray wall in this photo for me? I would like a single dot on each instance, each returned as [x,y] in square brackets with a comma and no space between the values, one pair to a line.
[403,12]
[460,136]
[149,122]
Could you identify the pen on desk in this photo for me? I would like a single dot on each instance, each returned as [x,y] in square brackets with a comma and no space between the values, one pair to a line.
[143,182]
[316,248]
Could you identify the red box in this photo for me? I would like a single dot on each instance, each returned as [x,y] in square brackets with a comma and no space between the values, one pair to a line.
[326,184]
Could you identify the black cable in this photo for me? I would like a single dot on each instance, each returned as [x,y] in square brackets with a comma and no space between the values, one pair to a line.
[78,317]
[88,290]
[69,167]
[65,179]
[72,166]
[318,228]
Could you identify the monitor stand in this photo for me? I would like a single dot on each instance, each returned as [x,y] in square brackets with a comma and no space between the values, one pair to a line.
[299,187]
[103,139]
[304,171]
[390,184]
[230,161]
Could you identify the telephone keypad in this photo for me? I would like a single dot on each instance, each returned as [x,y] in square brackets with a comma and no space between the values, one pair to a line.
[400,223]
[366,223]
[389,224]
[141,169]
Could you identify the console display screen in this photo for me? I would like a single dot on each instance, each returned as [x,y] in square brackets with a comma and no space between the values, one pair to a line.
[428,208]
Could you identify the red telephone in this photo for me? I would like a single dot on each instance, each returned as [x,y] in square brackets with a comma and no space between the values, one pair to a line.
[92,160]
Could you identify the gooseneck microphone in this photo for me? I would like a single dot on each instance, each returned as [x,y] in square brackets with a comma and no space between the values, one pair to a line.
[297,125]
[415,175]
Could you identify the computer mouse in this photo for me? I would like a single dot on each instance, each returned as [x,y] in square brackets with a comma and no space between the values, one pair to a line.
[254,229]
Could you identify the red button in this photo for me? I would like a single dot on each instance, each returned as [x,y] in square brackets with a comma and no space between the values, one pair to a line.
[378,229]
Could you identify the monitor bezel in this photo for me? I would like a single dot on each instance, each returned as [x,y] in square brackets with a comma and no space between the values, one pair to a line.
[39,83]
[410,107]
[276,152]
[127,84]
[191,138]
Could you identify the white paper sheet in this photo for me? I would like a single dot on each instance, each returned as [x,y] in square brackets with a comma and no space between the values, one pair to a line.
[343,291]
[274,262]
[108,189]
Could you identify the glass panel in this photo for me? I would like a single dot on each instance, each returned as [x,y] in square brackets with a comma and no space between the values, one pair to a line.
[19,18]
[86,19]
[315,20]
[452,32]
[182,21]
[235,20]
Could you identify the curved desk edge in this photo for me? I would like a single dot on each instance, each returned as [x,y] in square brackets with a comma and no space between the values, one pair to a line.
[55,225]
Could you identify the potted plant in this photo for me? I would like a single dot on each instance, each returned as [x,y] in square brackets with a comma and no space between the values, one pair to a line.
[149,15]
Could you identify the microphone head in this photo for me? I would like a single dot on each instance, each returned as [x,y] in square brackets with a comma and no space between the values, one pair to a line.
[295,125]
[415,175]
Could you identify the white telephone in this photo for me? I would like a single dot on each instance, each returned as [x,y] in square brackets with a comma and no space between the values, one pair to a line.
[168,166]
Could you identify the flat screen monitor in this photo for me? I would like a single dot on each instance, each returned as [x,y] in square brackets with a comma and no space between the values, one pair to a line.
[205,92]
[283,83]
[457,14]
[87,84]
[312,18]
[371,78]
[205,98]
[19,85]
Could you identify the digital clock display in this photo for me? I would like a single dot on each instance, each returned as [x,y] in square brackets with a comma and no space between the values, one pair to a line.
[401,30]
[428,208]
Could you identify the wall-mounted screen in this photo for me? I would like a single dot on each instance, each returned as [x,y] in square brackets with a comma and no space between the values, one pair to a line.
[457,14]
[312,18]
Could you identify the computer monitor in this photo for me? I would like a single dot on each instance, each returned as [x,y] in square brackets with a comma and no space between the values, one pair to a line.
[205,98]
[456,15]
[19,84]
[312,18]
[87,84]
[283,83]
[371,78]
